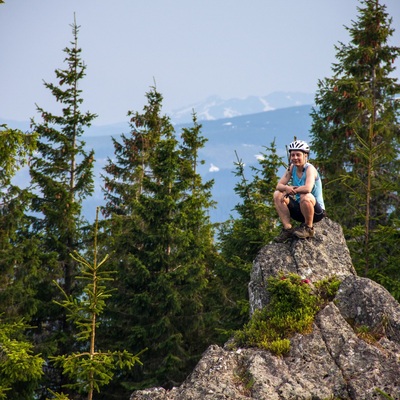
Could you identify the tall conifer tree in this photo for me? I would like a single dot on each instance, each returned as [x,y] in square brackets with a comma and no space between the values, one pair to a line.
[242,236]
[355,134]
[21,368]
[162,240]
[62,175]
[17,246]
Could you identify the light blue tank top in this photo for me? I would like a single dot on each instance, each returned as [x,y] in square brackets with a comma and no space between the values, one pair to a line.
[316,190]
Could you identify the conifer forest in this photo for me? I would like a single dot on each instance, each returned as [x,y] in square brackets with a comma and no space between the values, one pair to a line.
[95,310]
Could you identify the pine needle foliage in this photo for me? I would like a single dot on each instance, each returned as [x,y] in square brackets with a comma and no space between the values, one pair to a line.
[20,368]
[161,237]
[17,246]
[356,137]
[61,173]
[241,237]
[91,369]
[254,224]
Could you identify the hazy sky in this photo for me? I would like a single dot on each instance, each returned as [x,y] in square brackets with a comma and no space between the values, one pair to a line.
[192,49]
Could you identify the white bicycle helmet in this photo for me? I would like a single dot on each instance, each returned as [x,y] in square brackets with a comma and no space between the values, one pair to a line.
[299,145]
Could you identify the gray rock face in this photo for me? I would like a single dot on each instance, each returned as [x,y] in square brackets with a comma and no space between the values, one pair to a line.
[353,351]
[321,257]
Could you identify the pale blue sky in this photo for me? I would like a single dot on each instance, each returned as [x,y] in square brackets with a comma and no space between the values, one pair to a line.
[192,48]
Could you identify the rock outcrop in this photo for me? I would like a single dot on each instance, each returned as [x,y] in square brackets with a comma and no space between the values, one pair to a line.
[324,256]
[353,351]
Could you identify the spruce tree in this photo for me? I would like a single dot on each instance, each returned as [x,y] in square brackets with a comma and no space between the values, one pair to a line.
[355,134]
[242,236]
[17,246]
[161,236]
[21,368]
[91,368]
[62,176]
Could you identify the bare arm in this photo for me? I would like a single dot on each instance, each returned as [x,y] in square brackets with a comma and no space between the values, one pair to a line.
[283,186]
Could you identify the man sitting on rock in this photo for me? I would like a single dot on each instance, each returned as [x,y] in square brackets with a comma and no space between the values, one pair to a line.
[302,200]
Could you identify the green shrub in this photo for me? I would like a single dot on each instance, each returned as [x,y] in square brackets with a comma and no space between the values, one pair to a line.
[327,288]
[279,347]
[293,304]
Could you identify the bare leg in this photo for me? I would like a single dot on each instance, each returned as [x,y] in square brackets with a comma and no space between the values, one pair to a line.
[307,203]
[281,205]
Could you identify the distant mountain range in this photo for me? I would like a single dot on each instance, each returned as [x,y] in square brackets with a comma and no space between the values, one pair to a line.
[246,133]
[215,107]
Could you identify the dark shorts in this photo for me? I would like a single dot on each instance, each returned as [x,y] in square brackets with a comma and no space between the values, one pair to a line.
[295,213]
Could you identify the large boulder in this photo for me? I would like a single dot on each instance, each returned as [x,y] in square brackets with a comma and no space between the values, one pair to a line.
[352,352]
[315,259]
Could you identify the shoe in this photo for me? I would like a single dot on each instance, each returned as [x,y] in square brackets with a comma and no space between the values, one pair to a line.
[285,235]
[304,232]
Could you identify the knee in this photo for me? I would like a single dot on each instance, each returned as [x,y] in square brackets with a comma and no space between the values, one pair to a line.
[307,198]
[277,196]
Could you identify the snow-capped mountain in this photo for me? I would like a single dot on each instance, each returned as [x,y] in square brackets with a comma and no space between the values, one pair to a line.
[215,107]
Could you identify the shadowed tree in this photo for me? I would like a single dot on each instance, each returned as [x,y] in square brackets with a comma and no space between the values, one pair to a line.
[62,175]
[241,238]
[17,246]
[356,136]
[21,368]
[162,241]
